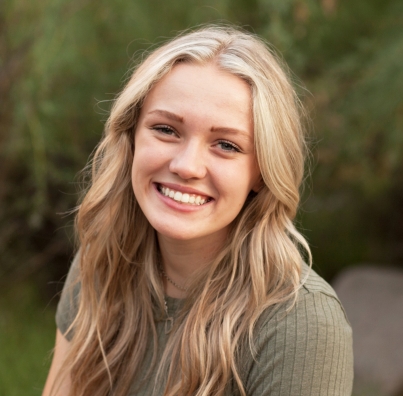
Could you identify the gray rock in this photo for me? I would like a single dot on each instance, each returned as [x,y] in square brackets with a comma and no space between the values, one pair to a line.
[373,299]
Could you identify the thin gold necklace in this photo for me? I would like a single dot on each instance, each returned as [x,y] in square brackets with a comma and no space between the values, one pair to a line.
[185,289]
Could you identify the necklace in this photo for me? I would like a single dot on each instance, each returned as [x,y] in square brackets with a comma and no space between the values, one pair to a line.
[169,321]
[171,281]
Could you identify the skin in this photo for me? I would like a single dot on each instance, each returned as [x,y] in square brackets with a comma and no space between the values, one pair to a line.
[195,135]
[60,352]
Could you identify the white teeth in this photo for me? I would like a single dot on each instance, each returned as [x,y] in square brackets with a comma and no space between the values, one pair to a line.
[184,198]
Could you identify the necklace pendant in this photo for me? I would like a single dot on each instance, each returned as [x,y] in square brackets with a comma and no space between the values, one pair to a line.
[169,322]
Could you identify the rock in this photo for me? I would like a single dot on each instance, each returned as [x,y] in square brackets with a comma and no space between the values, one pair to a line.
[373,299]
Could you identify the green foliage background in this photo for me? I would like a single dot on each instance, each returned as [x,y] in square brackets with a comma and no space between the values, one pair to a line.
[63,61]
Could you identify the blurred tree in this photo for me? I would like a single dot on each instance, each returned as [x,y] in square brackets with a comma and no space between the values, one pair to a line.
[356,210]
[62,63]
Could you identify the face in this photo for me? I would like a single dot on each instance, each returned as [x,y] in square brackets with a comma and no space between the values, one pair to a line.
[194,162]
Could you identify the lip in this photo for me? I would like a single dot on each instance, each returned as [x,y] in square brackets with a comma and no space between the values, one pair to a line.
[183,189]
[172,204]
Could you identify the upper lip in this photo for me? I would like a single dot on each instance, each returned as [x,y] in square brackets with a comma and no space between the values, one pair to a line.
[184,189]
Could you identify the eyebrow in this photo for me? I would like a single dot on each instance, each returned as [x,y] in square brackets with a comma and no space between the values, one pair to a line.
[232,131]
[168,114]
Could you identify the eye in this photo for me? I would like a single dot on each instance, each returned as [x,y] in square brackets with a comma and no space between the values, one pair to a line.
[228,146]
[164,129]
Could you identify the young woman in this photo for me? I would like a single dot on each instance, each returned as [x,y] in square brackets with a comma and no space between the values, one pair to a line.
[189,279]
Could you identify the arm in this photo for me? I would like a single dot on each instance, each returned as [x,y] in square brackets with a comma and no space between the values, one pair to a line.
[307,352]
[65,314]
[60,352]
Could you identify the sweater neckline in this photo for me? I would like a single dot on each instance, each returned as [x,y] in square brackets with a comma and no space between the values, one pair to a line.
[173,304]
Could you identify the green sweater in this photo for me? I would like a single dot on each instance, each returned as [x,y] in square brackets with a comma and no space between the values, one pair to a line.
[305,352]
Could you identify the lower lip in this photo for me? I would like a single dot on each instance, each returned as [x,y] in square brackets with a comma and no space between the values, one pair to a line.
[179,206]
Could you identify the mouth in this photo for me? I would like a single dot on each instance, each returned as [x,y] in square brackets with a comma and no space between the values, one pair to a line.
[183,198]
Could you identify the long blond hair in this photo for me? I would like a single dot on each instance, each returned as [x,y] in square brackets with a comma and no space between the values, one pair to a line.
[121,288]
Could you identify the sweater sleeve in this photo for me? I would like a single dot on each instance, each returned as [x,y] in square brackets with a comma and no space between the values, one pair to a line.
[68,305]
[305,352]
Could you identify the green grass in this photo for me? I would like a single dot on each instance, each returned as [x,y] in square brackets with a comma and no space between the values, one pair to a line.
[27,332]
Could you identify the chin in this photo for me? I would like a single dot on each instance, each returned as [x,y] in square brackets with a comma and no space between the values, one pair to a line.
[179,236]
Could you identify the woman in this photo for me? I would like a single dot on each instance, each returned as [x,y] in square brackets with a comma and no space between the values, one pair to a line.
[190,278]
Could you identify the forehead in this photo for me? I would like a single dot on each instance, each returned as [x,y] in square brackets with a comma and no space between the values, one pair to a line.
[207,76]
[204,89]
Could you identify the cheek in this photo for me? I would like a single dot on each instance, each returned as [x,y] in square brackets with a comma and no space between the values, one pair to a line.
[148,162]
[148,151]
[135,181]
[240,179]
[139,170]
[234,192]
[143,153]
[254,175]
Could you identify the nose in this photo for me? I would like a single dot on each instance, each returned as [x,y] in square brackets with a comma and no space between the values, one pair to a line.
[188,161]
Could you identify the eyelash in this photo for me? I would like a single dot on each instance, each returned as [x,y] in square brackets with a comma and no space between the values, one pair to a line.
[233,146]
[165,129]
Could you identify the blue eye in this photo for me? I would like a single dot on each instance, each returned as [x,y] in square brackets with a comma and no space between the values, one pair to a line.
[164,129]
[228,146]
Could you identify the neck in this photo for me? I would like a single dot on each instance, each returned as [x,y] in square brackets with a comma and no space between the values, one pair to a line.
[181,259]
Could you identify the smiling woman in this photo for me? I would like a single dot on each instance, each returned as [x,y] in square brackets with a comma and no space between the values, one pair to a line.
[182,144]
[188,278]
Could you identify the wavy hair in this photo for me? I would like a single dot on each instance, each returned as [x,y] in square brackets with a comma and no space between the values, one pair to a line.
[260,265]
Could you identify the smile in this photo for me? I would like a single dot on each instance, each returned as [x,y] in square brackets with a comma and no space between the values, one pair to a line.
[190,199]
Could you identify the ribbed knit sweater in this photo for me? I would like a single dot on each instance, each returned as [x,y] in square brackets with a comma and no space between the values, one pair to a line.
[307,351]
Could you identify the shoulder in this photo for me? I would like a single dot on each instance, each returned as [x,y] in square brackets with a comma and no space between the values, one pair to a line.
[311,282]
[316,303]
[305,348]
[69,300]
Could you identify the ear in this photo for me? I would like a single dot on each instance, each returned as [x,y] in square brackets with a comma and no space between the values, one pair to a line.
[258,185]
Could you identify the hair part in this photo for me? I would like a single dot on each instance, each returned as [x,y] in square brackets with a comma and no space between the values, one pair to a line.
[121,289]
